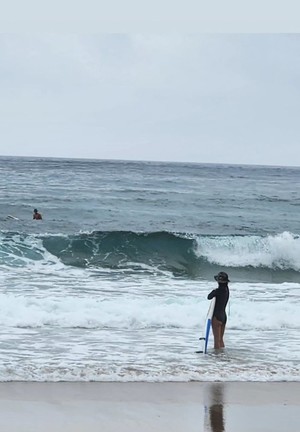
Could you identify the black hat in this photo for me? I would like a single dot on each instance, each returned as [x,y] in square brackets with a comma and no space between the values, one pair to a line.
[222,277]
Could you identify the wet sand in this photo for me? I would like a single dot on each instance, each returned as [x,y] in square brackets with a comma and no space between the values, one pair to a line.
[143,407]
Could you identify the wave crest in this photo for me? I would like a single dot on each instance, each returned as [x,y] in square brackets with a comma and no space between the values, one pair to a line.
[180,253]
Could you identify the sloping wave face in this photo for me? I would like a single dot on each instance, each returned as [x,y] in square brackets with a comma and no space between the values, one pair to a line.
[120,249]
[254,257]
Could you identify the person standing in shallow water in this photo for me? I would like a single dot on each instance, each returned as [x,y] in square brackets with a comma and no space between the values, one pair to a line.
[36,214]
[219,318]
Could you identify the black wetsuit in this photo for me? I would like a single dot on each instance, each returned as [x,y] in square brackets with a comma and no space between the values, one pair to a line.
[222,296]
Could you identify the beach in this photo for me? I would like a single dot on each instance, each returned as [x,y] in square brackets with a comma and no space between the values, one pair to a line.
[149,226]
[104,300]
[144,406]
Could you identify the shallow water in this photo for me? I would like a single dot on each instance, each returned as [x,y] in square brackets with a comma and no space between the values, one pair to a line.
[112,283]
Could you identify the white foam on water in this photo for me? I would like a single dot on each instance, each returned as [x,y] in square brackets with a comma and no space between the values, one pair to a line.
[62,323]
[280,251]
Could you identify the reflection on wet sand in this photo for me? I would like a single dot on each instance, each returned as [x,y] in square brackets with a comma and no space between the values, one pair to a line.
[214,406]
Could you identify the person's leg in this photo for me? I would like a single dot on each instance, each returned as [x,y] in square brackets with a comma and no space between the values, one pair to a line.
[222,345]
[216,327]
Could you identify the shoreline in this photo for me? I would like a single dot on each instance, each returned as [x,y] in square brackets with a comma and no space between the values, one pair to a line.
[146,406]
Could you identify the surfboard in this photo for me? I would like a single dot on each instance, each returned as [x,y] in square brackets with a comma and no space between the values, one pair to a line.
[207,326]
[12,217]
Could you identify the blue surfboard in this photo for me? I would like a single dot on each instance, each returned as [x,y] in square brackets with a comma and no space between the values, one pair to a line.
[207,326]
[208,323]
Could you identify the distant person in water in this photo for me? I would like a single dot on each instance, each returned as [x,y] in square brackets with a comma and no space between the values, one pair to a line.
[36,214]
[219,318]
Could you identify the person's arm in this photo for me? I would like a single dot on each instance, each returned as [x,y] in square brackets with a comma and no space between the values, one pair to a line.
[212,294]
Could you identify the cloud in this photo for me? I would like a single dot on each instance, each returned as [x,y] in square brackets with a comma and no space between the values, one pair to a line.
[199,98]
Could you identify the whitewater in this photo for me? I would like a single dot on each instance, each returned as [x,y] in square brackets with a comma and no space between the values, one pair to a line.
[111,285]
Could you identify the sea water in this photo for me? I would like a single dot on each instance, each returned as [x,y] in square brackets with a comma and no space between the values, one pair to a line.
[112,284]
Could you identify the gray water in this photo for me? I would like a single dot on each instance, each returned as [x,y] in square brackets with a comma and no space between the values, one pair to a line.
[76,195]
[112,283]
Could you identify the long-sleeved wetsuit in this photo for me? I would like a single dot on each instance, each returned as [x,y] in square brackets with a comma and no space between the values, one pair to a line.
[222,296]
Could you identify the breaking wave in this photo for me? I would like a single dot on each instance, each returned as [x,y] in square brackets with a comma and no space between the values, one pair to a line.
[179,253]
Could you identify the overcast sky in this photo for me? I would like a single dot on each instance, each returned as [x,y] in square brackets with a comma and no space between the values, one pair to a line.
[199,98]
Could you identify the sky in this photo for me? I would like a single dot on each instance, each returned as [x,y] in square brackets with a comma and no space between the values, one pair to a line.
[207,98]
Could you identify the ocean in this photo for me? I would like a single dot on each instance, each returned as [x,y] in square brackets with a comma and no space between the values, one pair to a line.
[112,284]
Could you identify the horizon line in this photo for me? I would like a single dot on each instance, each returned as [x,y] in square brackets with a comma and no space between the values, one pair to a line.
[149,161]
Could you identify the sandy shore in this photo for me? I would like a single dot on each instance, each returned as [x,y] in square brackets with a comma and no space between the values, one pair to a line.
[143,407]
